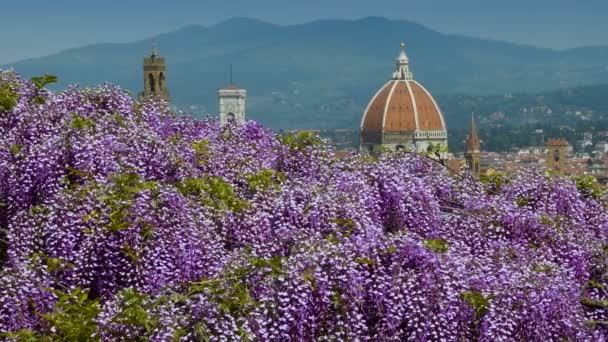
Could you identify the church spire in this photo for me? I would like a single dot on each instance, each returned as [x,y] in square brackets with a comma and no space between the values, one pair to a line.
[473,144]
[473,152]
[403,66]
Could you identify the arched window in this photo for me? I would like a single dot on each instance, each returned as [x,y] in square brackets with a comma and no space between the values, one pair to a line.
[230,117]
[152,84]
[161,81]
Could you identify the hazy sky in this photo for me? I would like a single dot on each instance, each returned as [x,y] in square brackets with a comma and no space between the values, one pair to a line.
[31,28]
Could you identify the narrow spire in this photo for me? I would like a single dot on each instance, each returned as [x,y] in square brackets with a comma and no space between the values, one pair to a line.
[154,51]
[473,143]
[403,66]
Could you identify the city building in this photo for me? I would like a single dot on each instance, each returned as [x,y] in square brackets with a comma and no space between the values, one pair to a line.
[155,72]
[473,148]
[402,114]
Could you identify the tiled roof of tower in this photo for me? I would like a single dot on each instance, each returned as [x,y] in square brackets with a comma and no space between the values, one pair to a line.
[557,142]
[231,87]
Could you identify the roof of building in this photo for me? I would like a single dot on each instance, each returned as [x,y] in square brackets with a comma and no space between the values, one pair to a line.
[231,86]
[402,105]
[557,142]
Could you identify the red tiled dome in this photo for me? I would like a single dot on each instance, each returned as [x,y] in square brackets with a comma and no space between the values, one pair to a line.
[402,106]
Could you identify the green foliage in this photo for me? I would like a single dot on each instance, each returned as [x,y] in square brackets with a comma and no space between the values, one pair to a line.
[589,186]
[275,264]
[365,261]
[202,151]
[383,150]
[15,149]
[495,180]
[309,277]
[122,193]
[522,201]
[82,123]
[42,81]
[232,296]
[57,264]
[25,335]
[300,141]
[346,225]
[133,311]
[212,191]
[436,245]
[436,151]
[477,301]
[8,97]
[264,180]
[73,318]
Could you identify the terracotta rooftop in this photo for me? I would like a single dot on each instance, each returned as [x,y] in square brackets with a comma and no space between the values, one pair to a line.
[557,142]
[232,87]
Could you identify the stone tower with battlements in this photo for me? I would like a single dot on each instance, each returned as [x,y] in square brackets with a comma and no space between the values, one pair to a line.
[155,72]
[556,160]
[473,151]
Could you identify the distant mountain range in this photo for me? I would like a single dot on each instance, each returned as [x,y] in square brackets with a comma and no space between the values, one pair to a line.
[322,74]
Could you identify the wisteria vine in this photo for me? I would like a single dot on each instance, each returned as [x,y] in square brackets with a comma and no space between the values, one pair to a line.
[122,220]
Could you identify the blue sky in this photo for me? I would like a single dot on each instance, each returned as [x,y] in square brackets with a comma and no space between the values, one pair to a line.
[31,28]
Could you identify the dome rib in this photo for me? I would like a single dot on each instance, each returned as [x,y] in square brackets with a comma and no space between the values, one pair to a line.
[374,113]
[400,114]
[386,106]
[429,114]
[415,106]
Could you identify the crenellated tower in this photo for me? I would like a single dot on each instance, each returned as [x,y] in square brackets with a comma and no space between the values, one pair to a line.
[556,160]
[473,148]
[155,71]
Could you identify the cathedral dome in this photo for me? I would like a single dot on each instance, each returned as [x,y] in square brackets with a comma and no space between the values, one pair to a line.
[402,107]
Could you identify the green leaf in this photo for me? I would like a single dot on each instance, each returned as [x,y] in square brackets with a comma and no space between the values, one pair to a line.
[42,81]
[365,261]
[82,123]
[436,245]
[15,149]
[8,97]
[477,301]
[300,141]
[73,317]
[264,180]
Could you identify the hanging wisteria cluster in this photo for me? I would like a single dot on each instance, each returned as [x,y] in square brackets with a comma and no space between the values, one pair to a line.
[121,220]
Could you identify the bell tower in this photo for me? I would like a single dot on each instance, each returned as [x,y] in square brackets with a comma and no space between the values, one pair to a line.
[155,71]
[556,160]
[232,101]
[473,152]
